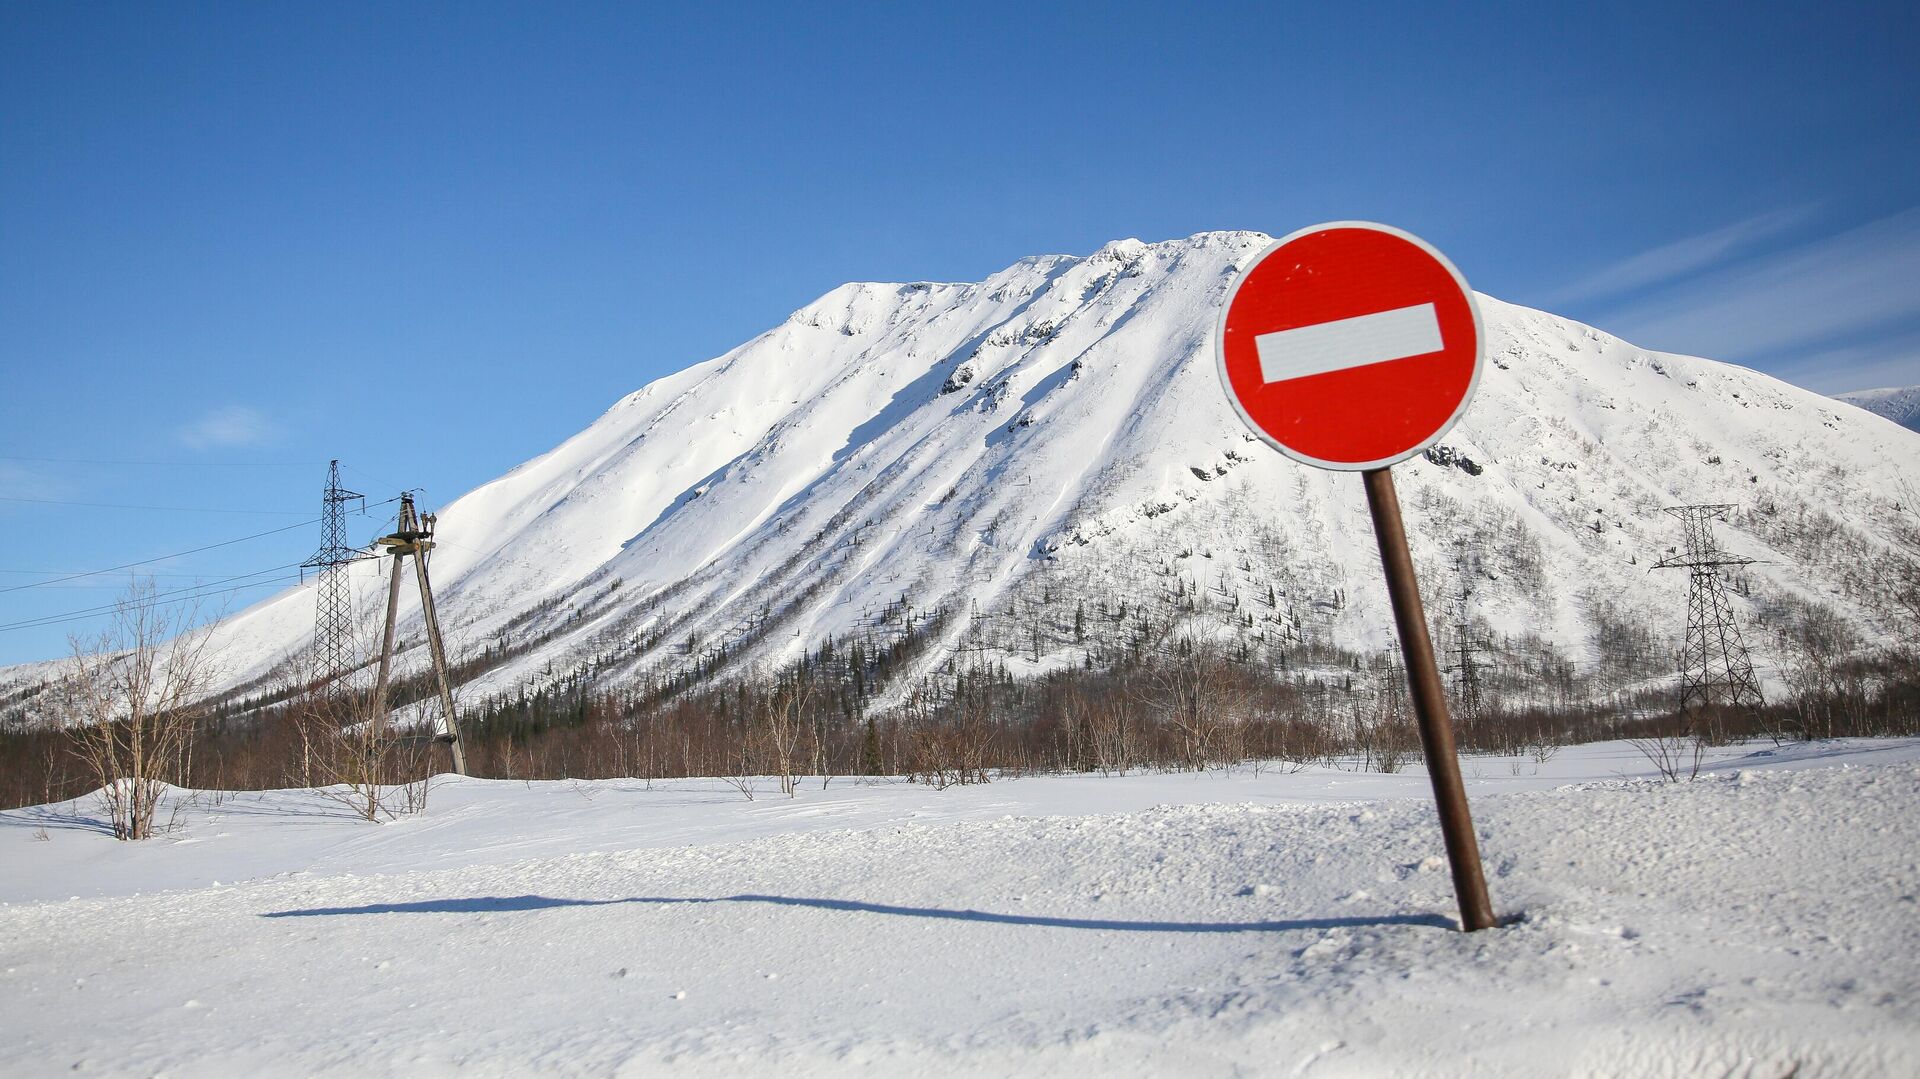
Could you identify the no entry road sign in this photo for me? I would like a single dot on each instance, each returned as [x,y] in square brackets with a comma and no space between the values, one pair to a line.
[1352,346]
[1349,345]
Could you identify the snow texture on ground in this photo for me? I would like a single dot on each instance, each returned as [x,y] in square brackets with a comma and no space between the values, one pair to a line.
[1761,921]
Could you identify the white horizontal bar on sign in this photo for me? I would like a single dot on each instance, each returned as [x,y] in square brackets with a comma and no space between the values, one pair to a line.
[1348,342]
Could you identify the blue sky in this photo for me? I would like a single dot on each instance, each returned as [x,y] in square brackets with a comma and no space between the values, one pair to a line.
[433,240]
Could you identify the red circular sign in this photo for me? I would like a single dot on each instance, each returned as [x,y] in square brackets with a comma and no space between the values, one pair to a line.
[1349,345]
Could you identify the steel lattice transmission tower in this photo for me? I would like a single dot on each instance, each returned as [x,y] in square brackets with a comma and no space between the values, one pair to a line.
[1714,666]
[333,606]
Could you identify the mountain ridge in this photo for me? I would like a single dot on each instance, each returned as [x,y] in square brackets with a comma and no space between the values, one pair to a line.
[950,463]
[1901,404]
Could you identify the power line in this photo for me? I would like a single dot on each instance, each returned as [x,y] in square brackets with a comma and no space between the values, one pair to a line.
[177,554]
[194,587]
[161,558]
[190,592]
[199,579]
[274,582]
[379,480]
[103,587]
[158,464]
[90,573]
[164,509]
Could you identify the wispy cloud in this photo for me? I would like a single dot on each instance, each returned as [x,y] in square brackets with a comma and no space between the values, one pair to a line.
[23,481]
[225,428]
[1841,311]
[1679,258]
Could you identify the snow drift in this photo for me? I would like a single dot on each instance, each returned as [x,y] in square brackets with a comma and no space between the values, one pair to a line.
[1760,922]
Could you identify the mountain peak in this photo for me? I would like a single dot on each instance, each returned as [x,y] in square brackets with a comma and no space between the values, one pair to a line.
[1039,467]
[1901,404]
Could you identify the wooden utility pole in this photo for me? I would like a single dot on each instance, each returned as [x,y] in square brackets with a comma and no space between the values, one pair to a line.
[415,537]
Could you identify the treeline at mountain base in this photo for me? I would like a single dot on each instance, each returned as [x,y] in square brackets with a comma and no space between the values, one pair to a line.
[1186,705]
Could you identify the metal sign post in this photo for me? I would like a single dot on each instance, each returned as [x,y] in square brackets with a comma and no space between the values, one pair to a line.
[1352,346]
[1429,703]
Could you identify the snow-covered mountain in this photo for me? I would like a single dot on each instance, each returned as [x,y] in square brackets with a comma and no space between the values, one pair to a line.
[1024,466]
[1901,404]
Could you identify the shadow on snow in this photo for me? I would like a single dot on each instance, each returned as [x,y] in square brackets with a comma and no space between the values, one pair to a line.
[496,903]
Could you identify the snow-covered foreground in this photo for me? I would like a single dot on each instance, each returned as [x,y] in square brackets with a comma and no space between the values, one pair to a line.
[1756,922]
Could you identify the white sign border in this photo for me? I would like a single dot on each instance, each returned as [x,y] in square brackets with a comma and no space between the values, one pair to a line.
[1233,399]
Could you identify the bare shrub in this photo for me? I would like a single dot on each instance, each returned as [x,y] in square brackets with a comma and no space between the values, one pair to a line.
[134,698]
[379,772]
[946,756]
[1113,733]
[1674,747]
[1199,694]
[1384,730]
[1826,682]
[350,750]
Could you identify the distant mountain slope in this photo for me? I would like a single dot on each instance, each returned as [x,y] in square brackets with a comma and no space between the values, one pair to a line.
[1035,466]
[1901,404]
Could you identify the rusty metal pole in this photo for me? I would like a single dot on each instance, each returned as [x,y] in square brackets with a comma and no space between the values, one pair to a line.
[1429,703]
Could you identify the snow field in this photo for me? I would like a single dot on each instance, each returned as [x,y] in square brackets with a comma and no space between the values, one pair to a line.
[1760,920]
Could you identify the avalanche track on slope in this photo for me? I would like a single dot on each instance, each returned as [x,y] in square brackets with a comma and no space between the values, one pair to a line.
[982,461]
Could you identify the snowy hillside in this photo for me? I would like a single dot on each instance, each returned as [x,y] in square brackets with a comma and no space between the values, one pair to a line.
[1901,404]
[1759,922]
[1029,466]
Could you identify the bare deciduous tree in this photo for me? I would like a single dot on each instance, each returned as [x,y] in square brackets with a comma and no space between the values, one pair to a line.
[380,772]
[1200,694]
[1823,674]
[783,722]
[134,697]
[351,750]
